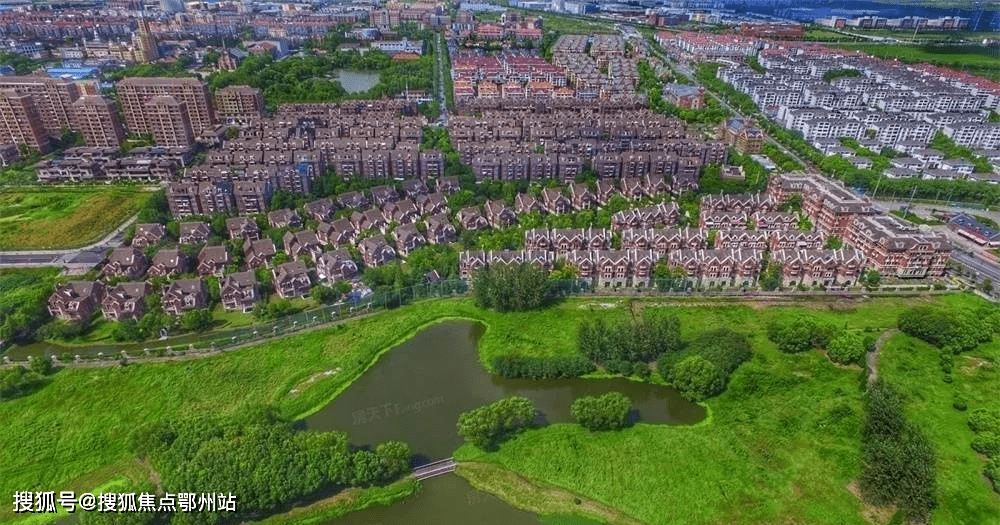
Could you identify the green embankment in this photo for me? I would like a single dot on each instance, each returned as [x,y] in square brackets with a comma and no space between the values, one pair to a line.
[782,439]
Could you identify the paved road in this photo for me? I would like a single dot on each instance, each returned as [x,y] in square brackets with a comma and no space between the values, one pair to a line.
[78,258]
[984,267]
[442,99]
[690,73]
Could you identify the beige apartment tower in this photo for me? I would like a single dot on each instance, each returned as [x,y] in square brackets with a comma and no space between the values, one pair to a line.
[20,121]
[239,104]
[53,98]
[168,122]
[135,93]
[96,119]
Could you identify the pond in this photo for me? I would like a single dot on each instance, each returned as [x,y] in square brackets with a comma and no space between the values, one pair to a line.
[356,81]
[416,391]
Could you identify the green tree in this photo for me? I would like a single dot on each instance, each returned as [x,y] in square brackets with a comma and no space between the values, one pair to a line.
[799,334]
[847,348]
[488,426]
[41,365]
[515,287]
[606,412]
[696,378]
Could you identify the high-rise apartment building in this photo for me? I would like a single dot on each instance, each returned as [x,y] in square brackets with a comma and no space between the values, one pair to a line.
[134,93]
[239,104]
[20,121]
[96,119]
[53,98]
[167,119]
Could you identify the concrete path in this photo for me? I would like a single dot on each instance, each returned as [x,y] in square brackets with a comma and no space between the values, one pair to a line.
[872,360]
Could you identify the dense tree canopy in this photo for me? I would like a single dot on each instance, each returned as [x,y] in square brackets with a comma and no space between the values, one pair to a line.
[802,333]
[640,340]
[847,347]
[952,330]
[488,426]
[262,460]
[511,288]
[606,412]
[898,460]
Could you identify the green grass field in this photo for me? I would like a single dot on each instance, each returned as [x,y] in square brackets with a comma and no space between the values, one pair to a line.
[775,450]
[781,445]
[912,366]
[63,218]
[978,60]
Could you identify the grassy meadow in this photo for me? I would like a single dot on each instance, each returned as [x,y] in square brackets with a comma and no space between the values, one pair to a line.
[978,60]
[782,441]
[63,218]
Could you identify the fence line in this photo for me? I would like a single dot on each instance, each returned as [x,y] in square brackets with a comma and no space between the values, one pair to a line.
[215,343]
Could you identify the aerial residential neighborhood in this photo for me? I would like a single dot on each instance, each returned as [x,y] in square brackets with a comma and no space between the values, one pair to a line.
[532,261]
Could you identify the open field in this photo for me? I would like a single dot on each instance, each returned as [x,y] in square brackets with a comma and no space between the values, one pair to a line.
[978,60]
[63,218]
[788,424]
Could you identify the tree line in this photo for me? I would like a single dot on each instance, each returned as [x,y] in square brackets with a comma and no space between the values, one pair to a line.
[898,460]
[985,423]
[950,329]
[264,461]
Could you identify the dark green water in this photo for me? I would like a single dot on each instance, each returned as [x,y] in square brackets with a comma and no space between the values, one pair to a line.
[417,390]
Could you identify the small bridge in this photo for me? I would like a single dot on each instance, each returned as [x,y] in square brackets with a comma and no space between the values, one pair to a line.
[435,468]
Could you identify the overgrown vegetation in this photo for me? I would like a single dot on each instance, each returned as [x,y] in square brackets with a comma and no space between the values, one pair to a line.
[511,287]
[52,218]
[263,461]
[488,426]
[23,301]
[986,425]
[605,412]
[703,368]
[898,460]
[637,341]
[951,330]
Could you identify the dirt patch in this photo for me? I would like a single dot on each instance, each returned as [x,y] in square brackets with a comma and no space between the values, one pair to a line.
[871,513]
[312,379]
[974,363]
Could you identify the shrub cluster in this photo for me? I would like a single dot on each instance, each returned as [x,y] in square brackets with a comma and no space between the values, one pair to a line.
[606,412]
[952,330]
[637,341]
[511,288]
[554,367]
[702,369]
[986,424]
[802,333]
[488,426]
